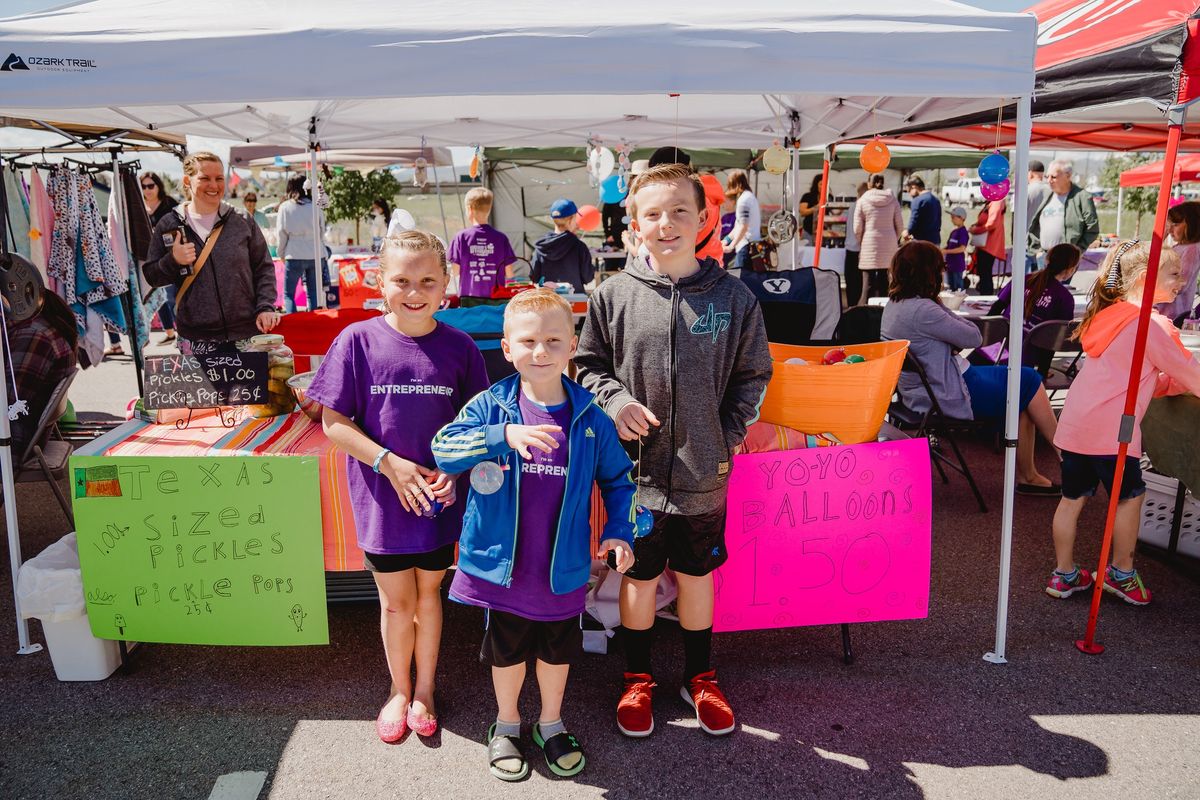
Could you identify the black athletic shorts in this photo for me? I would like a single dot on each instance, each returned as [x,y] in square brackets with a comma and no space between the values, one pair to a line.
[432,561]
[1081,474]
[511,639]
[692,545]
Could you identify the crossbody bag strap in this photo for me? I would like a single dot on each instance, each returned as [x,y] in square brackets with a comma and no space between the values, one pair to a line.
[199,265]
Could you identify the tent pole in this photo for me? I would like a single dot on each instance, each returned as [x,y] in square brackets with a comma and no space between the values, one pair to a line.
[1176,116]
[1015,337]
[318,250]
[24,646]
[821,201]
[437,187]
[1120,203]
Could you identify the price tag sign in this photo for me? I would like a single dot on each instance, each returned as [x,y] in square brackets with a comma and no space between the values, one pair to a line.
[220,379]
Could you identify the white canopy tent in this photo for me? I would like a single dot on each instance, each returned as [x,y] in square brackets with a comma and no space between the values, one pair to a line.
[533,73]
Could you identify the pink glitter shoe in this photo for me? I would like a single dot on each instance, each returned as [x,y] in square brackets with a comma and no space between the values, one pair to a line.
[390,730]
[422,725]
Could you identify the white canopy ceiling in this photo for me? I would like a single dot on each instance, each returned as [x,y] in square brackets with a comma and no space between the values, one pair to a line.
[521,73]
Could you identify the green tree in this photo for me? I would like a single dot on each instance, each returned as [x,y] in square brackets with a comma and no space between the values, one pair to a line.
[351,194]
[1137,201]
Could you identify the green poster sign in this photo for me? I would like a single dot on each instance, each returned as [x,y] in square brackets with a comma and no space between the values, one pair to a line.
[201,550]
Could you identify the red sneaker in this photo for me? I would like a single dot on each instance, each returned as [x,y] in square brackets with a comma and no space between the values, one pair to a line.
[635,716]
[712,709]
[1131,590]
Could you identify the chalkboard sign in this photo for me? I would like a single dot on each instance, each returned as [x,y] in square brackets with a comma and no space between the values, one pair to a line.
[220,379]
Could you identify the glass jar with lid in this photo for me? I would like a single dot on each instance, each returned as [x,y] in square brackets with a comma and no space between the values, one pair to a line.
[281,365]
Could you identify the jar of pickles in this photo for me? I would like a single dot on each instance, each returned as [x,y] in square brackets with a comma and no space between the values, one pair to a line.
[281,365]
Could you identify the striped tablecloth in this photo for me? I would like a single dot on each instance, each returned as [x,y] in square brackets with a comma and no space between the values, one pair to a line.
[289,435]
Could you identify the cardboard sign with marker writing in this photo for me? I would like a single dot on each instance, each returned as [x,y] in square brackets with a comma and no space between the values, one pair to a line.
[219,379]
[826,535]
[221,550]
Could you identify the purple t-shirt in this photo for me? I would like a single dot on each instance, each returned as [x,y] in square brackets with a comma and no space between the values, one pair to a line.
[482,253]
[1056,302]
[543,480]
[400,391]
[957,262]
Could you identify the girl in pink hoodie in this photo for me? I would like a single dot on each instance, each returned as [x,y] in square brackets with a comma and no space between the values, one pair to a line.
[1087,429]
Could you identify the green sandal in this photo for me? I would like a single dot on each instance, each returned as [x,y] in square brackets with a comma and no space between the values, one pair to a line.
[556,747]
[503,748]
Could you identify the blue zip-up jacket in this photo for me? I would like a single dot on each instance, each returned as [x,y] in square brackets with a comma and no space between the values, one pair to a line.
[489,536]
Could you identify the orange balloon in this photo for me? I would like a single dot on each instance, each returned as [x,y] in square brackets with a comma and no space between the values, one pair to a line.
[875,156]
[589,218]
[474,169]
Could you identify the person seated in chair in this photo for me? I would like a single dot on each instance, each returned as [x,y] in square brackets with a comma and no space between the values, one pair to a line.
[42,350]
[936,334]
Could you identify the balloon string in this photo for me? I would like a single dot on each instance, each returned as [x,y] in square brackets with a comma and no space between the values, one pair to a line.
[999,123]
[637,490]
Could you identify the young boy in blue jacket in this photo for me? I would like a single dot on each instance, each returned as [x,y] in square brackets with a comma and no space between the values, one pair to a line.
[525,553]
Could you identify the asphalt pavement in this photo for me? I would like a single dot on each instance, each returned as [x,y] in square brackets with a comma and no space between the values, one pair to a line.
[919,714]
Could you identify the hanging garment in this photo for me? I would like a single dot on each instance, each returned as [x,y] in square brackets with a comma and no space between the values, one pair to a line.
[18,213]
[118,237]
[137,221]
[81,259]
[41,226]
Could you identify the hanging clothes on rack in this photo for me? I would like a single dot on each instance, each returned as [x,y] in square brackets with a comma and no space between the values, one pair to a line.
[119,212]
[138,224]
[41,226]
[18,212]
[81,258]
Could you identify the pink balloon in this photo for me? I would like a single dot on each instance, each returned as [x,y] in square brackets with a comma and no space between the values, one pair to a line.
[994,191]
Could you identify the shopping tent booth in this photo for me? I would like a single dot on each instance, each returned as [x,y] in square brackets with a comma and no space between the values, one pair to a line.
[533,74]
[1187,170]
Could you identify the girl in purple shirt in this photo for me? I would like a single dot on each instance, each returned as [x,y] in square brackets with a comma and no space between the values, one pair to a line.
[387,386]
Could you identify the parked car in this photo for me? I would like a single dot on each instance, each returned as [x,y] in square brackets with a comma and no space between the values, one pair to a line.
[965,191]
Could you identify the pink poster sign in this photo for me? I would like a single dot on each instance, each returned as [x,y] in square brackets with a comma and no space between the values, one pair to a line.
[826,535]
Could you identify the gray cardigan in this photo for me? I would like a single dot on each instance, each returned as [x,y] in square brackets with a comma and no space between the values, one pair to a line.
[935,334]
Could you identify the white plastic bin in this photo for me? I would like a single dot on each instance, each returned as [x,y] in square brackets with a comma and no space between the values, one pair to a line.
[50,587]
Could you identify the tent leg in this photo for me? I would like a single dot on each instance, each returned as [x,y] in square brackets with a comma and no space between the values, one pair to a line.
[795,179]
[1015,337]
[1120,205]
[318,239]
[1088,643]
[822,199]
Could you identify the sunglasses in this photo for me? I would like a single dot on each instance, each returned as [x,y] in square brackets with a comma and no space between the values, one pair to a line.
[149,186]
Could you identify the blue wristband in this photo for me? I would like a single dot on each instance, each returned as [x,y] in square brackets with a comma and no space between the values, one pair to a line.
[379,459]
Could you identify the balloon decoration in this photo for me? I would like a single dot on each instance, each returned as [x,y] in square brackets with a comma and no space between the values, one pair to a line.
[875,156]
[612,190]
[279,162]
[993,169]
[473,171]
[962,172]
[994,191]
[601,162]
[420,172]
[589,218]
[776,160]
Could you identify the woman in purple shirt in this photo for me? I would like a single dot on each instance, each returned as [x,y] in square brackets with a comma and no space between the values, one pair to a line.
[1046,298]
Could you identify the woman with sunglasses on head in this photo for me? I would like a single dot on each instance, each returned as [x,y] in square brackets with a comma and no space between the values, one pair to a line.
[158,204]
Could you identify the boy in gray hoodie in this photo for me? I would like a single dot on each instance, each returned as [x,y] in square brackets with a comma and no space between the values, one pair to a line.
[675,351]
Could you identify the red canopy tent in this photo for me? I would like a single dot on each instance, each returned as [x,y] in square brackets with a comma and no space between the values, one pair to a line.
[1187,169]
[1107,70]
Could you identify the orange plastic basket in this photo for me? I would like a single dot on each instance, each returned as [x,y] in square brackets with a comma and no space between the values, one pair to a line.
[847,400]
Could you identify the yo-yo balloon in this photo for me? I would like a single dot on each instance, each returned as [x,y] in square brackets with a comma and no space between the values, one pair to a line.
[994,191]
[487,477]
[589,218]
[875,156]
[644,521]
[776,160]
[993,169]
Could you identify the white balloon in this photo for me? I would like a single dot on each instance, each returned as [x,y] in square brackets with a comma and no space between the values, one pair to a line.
[776,160]
[601,162]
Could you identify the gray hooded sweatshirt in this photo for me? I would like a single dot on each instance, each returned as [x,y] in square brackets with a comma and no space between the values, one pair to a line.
[694,353]
[234,286]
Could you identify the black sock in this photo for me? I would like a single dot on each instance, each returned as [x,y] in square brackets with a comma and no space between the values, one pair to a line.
[637,650]
[697,652]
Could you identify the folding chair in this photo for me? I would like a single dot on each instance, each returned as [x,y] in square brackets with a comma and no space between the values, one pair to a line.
[45,459]
[936,425]
[993,328]
[860,324]
[1050,338]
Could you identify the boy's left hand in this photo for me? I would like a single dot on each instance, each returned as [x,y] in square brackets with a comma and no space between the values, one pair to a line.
[622,553]
[443,488]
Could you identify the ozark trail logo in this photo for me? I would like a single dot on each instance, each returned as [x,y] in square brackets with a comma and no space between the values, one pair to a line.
[712,322]
[777,285]
[12,62]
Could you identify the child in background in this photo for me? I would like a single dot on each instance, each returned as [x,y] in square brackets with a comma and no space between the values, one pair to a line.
[675,350]
[388,385]
[1091,418]
[561,257]
[955,250]
[481,258]
[526,550]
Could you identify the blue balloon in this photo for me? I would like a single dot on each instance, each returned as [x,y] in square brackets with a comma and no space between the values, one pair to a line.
[279,162]
[612,189]
[993,169]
